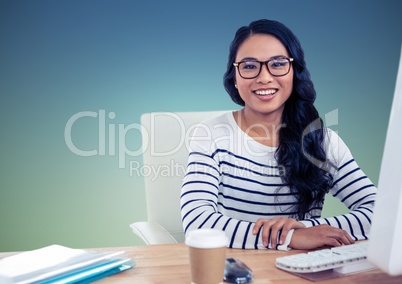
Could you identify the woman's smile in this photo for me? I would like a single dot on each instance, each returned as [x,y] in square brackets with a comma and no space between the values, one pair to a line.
[265,92]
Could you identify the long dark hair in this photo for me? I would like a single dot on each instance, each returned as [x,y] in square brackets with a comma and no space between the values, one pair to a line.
[307,180]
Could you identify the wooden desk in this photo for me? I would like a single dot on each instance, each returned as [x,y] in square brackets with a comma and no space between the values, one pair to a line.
[170,264]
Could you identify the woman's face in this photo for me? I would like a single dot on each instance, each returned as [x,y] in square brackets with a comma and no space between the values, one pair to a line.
[265,94]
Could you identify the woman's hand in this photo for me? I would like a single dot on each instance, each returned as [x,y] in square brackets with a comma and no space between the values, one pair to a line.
[319,236]
[271,227]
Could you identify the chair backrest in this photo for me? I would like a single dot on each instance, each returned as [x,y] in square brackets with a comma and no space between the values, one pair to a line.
[165,137]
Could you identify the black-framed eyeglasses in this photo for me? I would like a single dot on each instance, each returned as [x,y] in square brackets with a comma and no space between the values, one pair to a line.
[250,69]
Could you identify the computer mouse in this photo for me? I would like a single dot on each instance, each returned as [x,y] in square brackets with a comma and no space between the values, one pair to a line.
[237,272]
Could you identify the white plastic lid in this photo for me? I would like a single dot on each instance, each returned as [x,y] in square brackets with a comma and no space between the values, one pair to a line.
[206,238]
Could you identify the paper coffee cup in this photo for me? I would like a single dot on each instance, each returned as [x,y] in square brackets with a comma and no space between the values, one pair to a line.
[207,250]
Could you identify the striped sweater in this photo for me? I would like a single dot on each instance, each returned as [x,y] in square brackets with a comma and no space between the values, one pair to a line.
[232,180]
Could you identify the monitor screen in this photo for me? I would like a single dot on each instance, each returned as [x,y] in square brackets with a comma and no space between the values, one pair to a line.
[385,246]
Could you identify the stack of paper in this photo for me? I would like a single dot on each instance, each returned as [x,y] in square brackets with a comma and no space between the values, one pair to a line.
[59,264]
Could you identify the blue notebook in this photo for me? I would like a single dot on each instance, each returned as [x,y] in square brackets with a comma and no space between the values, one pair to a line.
[93,273]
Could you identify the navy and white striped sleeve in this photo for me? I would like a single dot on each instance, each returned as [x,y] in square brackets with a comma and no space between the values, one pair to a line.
[199,199]
[352,187]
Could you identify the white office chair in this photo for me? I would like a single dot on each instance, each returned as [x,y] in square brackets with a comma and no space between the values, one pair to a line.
[165,137]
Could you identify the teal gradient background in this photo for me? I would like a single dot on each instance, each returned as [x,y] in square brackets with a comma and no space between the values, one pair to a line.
[60,58]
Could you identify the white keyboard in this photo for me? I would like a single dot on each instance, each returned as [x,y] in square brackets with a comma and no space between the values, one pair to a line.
[345,259]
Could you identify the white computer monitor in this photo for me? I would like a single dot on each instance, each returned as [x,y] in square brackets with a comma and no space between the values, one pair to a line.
[385,242]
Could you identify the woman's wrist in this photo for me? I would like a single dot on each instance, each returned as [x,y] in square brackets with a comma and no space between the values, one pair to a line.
[285,246]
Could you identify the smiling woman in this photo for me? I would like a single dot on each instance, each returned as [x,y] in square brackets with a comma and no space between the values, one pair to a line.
[272,195]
